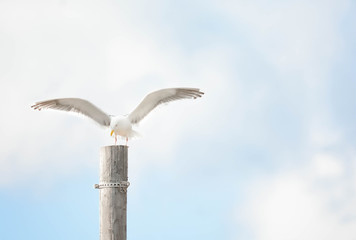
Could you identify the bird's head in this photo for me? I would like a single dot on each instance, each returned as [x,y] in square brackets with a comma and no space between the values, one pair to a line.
[113,130]
[113,125]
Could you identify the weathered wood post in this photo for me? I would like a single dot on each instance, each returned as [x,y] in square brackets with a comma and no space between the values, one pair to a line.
[113,192]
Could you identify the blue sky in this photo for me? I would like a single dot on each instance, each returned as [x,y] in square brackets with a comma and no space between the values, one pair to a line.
[267,153]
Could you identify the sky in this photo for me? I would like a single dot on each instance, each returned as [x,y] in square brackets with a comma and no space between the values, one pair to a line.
[269,152]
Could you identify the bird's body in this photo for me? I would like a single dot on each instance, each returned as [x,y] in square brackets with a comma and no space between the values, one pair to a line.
[121,126]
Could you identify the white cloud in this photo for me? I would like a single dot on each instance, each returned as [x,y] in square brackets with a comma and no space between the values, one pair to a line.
[327,165]
[292,206]
[315,200]
[293,35]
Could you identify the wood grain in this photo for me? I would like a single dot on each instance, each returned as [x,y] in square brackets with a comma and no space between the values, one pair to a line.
[113,201]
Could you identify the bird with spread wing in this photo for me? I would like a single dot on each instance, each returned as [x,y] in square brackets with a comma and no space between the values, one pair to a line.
[121,126]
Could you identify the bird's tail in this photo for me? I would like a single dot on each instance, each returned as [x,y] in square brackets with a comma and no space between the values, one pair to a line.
[134,134]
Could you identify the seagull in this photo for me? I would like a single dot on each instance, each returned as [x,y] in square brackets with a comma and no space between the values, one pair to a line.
[120,126]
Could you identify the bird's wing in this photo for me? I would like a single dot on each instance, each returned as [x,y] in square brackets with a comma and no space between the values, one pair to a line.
[76,105]
[154,99]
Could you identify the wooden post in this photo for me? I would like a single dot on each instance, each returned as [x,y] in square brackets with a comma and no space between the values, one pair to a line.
[113,192]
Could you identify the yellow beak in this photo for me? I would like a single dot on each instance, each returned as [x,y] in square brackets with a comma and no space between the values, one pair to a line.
[111,132]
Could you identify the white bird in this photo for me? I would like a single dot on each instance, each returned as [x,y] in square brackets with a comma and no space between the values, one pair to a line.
[121,126]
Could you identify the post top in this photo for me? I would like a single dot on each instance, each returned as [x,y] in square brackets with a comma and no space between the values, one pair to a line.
[116,146]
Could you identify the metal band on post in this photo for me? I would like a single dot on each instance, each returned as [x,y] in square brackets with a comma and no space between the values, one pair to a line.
[123,185]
